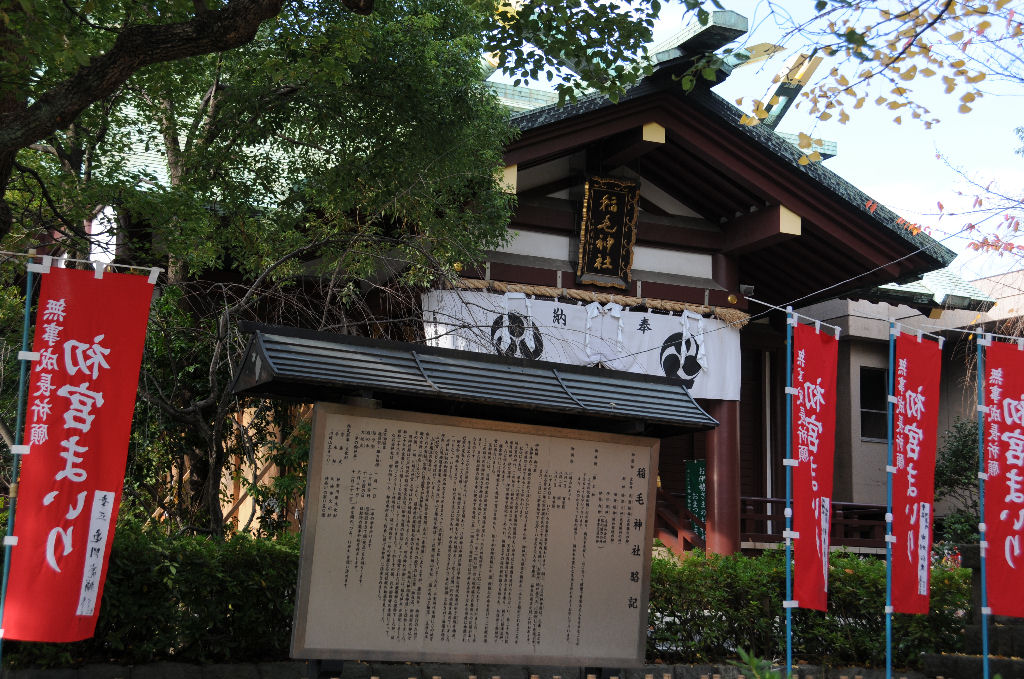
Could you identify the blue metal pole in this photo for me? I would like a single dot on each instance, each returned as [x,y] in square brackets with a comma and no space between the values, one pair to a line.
[789,491]
[981,499]
[16,463]
[888,494]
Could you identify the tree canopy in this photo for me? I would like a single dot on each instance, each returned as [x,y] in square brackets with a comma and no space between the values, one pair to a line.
[60,61]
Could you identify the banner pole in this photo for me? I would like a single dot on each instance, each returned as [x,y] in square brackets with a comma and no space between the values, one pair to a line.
[16,457]
[891,395]
[790,320]
[982,341]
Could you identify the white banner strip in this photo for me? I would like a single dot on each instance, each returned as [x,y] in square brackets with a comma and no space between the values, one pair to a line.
[96,544]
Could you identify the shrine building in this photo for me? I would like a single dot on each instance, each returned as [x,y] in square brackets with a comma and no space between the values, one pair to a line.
[655,238]
[644,230]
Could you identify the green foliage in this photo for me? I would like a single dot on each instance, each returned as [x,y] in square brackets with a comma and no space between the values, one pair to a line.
[194,599]
[956,480]
[333,156]
[707,608]
[956,464]
[960,527]
[288,452]
[184,598]
[757,667]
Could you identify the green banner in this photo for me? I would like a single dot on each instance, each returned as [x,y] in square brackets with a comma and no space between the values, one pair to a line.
[696,492]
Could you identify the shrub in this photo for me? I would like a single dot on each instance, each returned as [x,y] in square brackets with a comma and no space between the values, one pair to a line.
[187,599]
[193,599]
[706,608]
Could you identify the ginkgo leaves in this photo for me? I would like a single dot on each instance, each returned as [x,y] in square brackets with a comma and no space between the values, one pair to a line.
[804,142]
[880,51]
[760,111]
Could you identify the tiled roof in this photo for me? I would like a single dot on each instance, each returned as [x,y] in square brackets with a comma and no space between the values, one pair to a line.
[759,134]
[311,365]
[940,288]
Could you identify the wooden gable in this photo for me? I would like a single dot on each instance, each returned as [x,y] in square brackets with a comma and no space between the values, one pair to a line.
[722,205]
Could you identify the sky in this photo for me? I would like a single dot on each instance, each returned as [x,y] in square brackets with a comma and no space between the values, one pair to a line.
[897,165]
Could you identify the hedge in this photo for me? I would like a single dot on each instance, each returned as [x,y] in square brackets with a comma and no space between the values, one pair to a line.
[705,608]
[198,600]
[186,599]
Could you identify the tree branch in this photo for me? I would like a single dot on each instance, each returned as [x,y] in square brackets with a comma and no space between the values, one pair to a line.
[6,434]
[44,148]
[233,25]
[73,229]
[135,47]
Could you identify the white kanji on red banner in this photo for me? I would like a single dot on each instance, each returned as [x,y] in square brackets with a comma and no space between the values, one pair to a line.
[815,359]
[915,427]
[81,399]
[1004,487]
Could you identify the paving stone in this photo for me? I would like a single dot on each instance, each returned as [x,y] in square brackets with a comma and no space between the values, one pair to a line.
[444,671]
[951,666]
[708,672]
[103,671]
[938,665]
[1007,667]
[395,670]
[349,669]
[32,673]
[972,640]
[503,671]
[552,671]
[286,669]
[649,672]
[167,670]
[694,671]
[231,671]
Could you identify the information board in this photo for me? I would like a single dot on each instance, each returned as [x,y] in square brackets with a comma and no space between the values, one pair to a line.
[432,538]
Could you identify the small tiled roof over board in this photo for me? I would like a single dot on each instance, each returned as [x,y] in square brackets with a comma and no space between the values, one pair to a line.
[310,365]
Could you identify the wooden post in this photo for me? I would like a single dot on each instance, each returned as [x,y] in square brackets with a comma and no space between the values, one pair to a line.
[722,452]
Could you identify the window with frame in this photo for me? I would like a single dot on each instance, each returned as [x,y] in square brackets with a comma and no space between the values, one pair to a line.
[874,390]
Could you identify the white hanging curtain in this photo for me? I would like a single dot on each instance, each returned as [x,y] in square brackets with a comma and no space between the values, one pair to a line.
[703,352]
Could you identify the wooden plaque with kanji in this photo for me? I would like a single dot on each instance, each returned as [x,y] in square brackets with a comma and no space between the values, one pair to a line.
[608,232]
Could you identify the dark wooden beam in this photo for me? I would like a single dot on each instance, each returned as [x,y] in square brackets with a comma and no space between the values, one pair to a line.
[554,186]
[624,148]
[722,453]
[674,232]
[650,208]
[723,186]
[712,139]
[760,229]
[725,272]
[562,216]
[518,273]
[547,214]
[565,136]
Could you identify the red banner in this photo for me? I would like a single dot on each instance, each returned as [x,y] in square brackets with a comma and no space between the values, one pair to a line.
[89,334]
[1004,488]
[915,428]
[815,356]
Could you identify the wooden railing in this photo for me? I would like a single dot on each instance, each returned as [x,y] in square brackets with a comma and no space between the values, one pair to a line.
[762,520]
[675,525]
